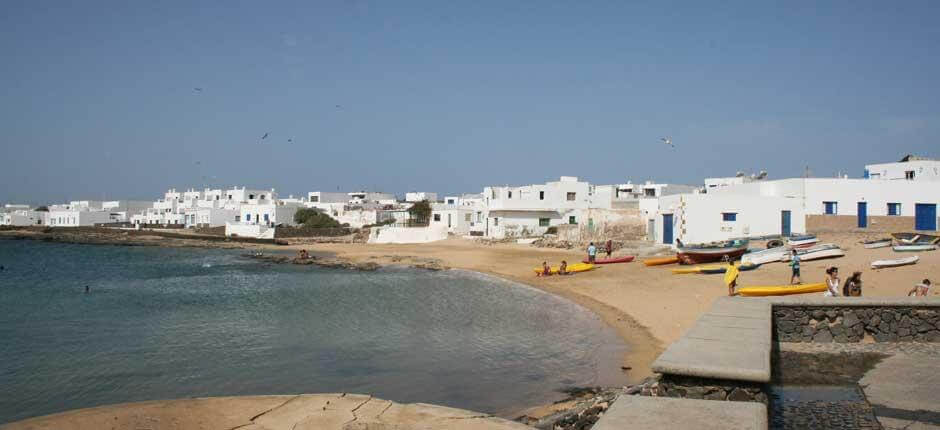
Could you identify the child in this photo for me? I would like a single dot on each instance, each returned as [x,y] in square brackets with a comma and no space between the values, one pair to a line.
[731,276]
[546,271]
[795,263]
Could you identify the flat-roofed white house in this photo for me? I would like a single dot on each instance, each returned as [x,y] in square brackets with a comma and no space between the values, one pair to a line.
[456,218]
[21,216]
[909,168]
[361,197]
[414,197]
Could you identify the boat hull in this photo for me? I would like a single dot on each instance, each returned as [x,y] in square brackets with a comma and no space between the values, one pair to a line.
[882,264]
[574,268]
[914,248]
[781,290]
[624,259]
[767,256]
[661,261]
[705,255]
[878,244]
[818,252]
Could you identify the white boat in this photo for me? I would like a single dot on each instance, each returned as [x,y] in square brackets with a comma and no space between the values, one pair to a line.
[803,241]
[826,250]
[914,248]
[880,243]
[765,256]
[880,264]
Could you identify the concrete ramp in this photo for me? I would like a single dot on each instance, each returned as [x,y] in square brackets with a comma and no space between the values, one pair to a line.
[639,412]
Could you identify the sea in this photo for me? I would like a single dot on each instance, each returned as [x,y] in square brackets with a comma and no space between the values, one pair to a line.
[165,323]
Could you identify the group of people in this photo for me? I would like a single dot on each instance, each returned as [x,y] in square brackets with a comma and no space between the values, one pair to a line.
[547,271]
[592,251]
[303,255]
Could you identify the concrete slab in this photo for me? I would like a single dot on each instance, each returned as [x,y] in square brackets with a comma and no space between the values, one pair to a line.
[639,412]
[902,390]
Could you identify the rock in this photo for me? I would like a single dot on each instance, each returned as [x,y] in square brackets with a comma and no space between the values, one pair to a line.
[875,321]
[841,338]
[818,315]
[822,336]
[717,394]
[923,328]
[887,316]
[786,326]
[884,327]
[904,331]
[905,338]
[832,314]
[634,389]
[695,392]
[739,395]
[850,319]
[933,336]
[905,322]
[809,331]
[836,329]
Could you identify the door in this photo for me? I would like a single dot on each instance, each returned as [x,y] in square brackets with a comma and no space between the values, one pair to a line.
[448,220]
[862,214]
[785,223]
[651,230]
[925,216]
[667,229]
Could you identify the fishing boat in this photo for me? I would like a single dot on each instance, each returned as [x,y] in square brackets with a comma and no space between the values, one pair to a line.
[697,254]
[661,261]
[573,268]
[881,264]
[765,256]
[915,248]
[915,238]
[624,259]
[877,243]
[781,290]
[802,241]
[818,252]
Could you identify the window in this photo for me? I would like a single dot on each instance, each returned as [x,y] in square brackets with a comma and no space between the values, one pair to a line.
[909,174]
[729,216]
[496,222]
[649,192]
[315,199]
[541,195]
[832,208]
[467,217]
[230,197]
[894,209]
[572,219]
[451,202]
[262,197]
[437,217]
[571,196]
[251,197]
[266,219]
[543,222]
[216,197]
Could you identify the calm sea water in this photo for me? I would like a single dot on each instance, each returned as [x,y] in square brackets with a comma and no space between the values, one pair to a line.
[168,323]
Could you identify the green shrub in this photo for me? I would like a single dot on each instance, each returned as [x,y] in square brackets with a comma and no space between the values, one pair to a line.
[312,218]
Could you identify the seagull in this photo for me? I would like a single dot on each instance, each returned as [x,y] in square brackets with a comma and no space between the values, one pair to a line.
[265,136]
[290,140]
[197,89]
[667,141]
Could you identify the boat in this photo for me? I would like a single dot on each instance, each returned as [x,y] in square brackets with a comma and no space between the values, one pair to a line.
[915,238]
[707,254]
[766,256]
[722,268]
[624,259]
[914,248]
[881,264]
[877,243]
[818,252]
[572,268]
[660,261]
[802,241]
[781,290]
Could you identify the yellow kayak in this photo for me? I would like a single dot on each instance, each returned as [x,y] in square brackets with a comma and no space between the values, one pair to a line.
[781,290]
[687,270]
[572,268]
[714,268]
[661,261]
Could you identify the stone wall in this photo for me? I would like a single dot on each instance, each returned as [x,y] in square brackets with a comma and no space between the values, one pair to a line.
[691,387]
[849,223]
[844,324]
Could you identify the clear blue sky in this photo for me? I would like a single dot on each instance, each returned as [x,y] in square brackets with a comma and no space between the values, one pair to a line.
[97,99]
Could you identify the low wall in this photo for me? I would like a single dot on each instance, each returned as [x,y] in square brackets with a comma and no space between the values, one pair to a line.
[844,324]
[256,231]
[408,234]
[849,223]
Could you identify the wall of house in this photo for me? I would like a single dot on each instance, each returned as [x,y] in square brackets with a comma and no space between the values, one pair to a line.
[22,218]
[525,223]
[697,218]
[257,231]
[215,217]
[924,170]
[431,233]
[460,218]
[849,223]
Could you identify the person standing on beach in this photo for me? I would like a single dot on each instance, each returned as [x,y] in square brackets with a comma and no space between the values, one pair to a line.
[795,264]
[609,247]
[832,282]
[731,275]
[592,253]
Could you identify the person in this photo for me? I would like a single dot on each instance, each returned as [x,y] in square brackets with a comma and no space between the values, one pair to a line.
[546,271]
[609,248]
[592,253]
[795,264]
[921,289]
[853,285]
[87,289]
[563,269]
[303,254]
[832,282]
[731,275]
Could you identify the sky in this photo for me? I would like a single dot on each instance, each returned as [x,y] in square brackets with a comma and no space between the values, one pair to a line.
[110,100]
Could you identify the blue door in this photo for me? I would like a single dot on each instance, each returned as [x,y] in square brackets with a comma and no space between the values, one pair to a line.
[925,216]
[785,223]
[862,214]
[667,229]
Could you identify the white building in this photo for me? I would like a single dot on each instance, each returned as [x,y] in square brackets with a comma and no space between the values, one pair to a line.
[910,168]
[270,214]
[362,197]
[456,218]
[19,216]
[414,197]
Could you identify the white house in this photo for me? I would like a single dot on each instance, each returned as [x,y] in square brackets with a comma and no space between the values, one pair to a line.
[414,197]
[270,214]
[21,217]
[911,168]
[456,218]
[361,197]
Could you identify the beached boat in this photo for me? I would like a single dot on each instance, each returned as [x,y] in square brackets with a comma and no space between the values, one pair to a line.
[781,290]
[693,254]
[881,264]
[624,259]
[914,248]
[818,252]
[877,243]
[572,268]
[802,241]
[915,238]
[712,269]
[766,256]
[661,261]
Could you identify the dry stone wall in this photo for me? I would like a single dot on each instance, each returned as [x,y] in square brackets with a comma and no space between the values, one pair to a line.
[823,324]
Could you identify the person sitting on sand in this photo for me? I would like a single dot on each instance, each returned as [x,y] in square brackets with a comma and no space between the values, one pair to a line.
[546,271]
[731,275]
[592,253]
[563,269]
[795,264]
[853,285]
[921,289]
[832,282]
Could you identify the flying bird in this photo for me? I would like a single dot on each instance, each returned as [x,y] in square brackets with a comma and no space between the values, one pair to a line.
[265,136]
[290,140]
[197,89]
[667,141]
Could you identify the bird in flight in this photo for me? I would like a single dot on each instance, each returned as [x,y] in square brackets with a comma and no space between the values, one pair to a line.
[290,140]
[265,136]
[197,89]
[667,141]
